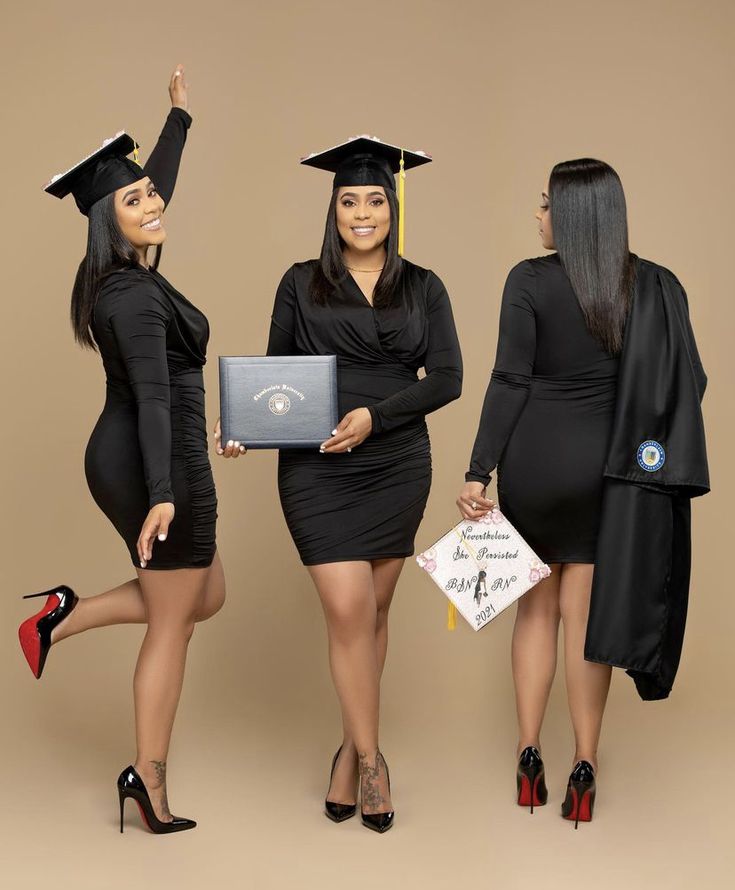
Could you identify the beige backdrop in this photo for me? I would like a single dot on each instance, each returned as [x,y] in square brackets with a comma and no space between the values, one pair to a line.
[498,92]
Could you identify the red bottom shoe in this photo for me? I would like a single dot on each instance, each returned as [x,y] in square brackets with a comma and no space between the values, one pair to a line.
[530,780]
[581,790]
[35,632]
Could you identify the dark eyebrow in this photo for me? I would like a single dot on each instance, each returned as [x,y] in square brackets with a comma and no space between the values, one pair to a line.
[369,195]
[135,191]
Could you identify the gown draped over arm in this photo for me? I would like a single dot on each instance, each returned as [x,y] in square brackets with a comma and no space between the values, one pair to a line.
[511,376]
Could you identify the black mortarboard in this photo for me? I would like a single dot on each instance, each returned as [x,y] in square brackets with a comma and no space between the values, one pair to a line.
[104,171]
[365,160]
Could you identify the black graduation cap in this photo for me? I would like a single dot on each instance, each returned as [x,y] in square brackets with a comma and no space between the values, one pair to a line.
[104,171]
[366,160]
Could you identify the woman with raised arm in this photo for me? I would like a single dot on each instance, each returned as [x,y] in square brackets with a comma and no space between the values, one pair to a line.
[146,463]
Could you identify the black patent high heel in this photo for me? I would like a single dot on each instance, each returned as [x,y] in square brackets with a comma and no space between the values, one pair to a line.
[530,779]
[35,632]
[129,784]
[379,822]
[338,812]
[581,792]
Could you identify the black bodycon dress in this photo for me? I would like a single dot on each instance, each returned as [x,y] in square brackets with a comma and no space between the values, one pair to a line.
[150,443]
[368,503]
[547,415]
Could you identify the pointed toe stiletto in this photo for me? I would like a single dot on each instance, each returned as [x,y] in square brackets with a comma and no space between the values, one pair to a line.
[129,784]
[581,791]
[35,632]
[379,822]
[530,779]
[338,812]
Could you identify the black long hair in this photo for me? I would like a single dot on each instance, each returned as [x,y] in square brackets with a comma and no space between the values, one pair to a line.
[331,271]
[107,249]
[590,230]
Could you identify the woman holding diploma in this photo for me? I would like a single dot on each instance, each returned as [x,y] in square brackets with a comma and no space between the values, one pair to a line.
[553,401]
[146,462]
[354,505]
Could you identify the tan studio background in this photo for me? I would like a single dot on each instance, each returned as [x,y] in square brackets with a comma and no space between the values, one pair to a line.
[498,92]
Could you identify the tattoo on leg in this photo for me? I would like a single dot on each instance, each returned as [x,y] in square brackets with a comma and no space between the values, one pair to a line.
[160,767]
[369,776]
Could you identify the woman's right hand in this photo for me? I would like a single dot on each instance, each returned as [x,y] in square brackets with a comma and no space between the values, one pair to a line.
[231,449]
[156,525]
[178,89]
[472,502]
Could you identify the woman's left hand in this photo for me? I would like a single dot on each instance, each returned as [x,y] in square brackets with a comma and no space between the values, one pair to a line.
[178,89]
[353,429]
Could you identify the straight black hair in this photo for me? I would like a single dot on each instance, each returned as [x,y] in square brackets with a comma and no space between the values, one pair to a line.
[331,271]
[590,230]
[107,249]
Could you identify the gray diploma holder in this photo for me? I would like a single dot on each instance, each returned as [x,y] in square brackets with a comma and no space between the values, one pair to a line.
[279,401]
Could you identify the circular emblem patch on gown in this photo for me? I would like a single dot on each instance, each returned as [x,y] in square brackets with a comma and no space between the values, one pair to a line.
[279,403]
[651,455]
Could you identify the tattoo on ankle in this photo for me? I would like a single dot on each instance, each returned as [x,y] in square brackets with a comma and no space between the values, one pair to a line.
[369,775]
[160,768]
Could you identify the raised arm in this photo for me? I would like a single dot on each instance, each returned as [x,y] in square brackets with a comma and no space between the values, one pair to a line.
[443,365]
[163,164]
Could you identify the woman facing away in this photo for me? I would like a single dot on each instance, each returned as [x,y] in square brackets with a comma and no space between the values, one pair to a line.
[545,424]
[146,463]
[354,505]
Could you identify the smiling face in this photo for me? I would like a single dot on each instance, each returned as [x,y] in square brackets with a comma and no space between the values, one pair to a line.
[543,215]
[363,216]
[139,212]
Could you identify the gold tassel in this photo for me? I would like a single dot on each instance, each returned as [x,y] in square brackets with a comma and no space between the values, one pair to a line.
[136,157]
[401,207]
[451,616]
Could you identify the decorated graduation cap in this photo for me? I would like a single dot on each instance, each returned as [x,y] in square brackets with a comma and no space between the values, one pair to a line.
[104,171]
[365,160]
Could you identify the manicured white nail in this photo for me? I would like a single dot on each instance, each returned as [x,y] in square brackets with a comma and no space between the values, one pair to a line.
[242,448]
[349,449]
[321,451]
[162,537]
[334,432]
[230,443]
[142,563]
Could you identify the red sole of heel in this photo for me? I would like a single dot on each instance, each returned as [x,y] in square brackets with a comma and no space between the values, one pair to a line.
[581,808]
[30,642]
[524,794]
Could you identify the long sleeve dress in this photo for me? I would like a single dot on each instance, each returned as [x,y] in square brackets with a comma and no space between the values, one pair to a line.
[368,503]
[547,415]
[150,443]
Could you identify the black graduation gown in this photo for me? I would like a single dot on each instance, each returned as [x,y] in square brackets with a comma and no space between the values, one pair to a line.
[640,586]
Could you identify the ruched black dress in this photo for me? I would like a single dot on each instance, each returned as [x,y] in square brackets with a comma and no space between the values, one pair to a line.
[150,443]
[547,415]
[368,503]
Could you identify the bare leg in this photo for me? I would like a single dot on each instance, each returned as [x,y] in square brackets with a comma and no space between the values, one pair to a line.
[587,682]
[348,598]
[385,577]
[172,600]
[533,654]
[124,605]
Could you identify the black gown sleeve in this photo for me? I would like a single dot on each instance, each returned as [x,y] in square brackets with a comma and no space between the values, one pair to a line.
[442,363]
[281,340]
[163,164]
[139,317]
[511,377]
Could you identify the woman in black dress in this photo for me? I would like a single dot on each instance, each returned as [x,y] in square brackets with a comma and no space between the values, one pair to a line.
[353,506]
[545,424]
[146,463]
